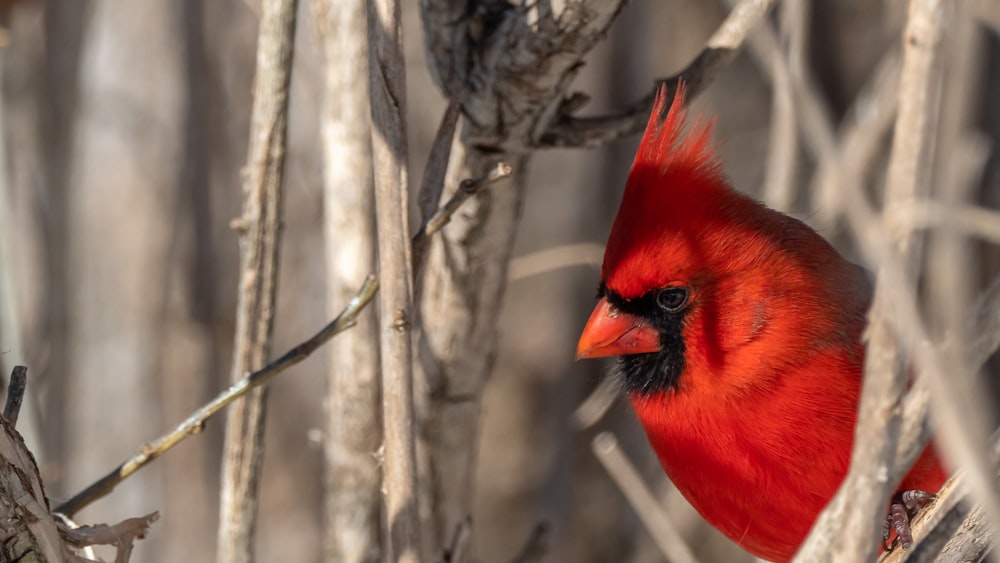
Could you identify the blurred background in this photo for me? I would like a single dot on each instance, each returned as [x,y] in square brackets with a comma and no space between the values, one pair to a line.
[125,129]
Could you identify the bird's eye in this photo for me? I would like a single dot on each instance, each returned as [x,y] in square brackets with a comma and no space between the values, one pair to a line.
[672,299]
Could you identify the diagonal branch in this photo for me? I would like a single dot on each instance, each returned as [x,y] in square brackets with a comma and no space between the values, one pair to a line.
[720,50]
[194,423]
[935,526]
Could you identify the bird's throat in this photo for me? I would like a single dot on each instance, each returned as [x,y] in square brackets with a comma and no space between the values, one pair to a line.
[655,372]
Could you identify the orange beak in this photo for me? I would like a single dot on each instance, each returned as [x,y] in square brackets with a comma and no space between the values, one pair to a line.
[609,332]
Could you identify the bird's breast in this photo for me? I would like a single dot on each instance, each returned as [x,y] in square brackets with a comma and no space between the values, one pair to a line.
[761,464]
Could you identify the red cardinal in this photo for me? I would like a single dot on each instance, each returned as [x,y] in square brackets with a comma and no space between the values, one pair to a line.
[739,335]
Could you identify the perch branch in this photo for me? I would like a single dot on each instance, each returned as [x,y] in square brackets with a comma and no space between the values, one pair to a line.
[722,47]
[196,421]
[953,528]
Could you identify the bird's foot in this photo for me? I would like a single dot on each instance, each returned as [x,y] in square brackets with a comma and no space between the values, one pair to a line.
[904,506]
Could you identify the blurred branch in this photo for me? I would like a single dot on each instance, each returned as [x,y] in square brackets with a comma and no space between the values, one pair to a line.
[194,423]
[987,11]
[844,157]
[657,522]
[15,394]
[537,545]
[352,526]
[860,141]
[387,83]
[983,332]
[458,549]
[556,258]
[966,219]
[260,236]
[843,534]
[782,156]
[596,405]
[720,50]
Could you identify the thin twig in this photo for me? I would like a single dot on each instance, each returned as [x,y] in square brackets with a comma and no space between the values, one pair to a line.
[466,189]
[259,257]
[556,258]
[194,423]
[657,522]
[432,183]
[779,188]
[536,546]
[15,394]
[596,405]
[966,219]
[721,48]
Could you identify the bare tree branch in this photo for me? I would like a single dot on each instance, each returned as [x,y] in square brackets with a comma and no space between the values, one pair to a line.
[979,339]
[259,246]
[194,423]
[721,48]
[552,259]
[352,499]
[861,139]
[509,67]
[466,189]
[15,394]
[868,483]
[782,157]
[388,92]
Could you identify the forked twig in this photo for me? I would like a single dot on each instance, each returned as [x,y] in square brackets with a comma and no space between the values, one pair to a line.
[466,189]
[720,49]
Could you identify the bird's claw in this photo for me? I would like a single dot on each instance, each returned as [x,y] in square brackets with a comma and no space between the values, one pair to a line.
[905,505]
